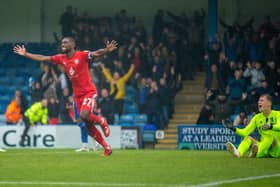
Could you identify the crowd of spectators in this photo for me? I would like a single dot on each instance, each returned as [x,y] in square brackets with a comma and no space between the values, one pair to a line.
[154,64]
[242,64]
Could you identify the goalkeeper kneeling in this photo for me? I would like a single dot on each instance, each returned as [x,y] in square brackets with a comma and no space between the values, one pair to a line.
[268,124]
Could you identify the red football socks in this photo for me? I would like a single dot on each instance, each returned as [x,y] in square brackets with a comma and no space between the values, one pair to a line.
[94,132]
[94,119]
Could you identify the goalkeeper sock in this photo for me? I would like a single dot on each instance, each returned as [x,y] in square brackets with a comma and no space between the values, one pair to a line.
[244,146]
[94,132]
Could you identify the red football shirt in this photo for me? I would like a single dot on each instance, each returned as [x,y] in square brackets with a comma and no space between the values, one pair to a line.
[76,68]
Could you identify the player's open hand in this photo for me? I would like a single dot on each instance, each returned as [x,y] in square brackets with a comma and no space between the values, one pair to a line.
[227,123]
[111,46]
[20,50]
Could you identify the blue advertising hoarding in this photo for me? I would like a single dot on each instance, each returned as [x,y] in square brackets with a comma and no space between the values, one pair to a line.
[205,137]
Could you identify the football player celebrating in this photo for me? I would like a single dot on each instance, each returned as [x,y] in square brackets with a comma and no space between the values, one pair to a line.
[75,63]
[268,124]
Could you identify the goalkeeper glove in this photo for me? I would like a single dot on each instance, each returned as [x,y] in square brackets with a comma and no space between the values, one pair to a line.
[228,124]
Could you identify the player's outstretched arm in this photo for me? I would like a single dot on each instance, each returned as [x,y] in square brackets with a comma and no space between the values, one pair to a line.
[110,46]
[21,50]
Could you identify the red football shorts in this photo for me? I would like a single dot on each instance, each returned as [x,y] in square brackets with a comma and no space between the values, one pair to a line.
[86,102]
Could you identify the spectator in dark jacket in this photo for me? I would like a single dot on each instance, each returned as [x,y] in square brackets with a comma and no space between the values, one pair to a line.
[236,86]
[221,108]
[105,103]
[164,97]
[270,72]
[213,54]
[205,115]
[37,93]
[143,92]
[53,111]
[63,104]
[66,21]
[264,89]
[153,105]
[276,95]
[23,101]
[158,26]
[214,80]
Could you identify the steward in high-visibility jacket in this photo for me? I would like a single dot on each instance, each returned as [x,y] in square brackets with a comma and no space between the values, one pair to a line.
[13,112]
[37,113]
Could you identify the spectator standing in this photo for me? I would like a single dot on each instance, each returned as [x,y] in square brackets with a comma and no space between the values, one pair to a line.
[143,92]
[237,86]
[23,101]
[164,97]
[120,82]
[66,21]
[53,108]
[63,111]
[49,80]
[37,92]
[105,103]
[205,115]
[153,105]
[214,81]
[255,73]
[13,113]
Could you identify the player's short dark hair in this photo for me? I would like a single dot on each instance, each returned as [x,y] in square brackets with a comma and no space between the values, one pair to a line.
[69,38]
[267,96]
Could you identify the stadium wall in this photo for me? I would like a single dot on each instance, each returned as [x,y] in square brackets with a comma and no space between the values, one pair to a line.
[64,136]
[36,20]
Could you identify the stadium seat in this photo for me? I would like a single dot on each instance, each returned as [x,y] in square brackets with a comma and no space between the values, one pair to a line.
[5,81]
[116,119]
[130,90]
[2,118]
[126,120]
[150,127]
[148,136]
[130,108]
[140,119]
[3,104]
[129,98]
[2,108]
[232,117]
[276,107]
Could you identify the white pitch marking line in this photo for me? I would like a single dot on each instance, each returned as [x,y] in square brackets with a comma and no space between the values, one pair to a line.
[210,184]
[217,183]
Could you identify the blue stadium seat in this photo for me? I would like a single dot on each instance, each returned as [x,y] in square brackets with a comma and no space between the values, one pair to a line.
[148,136]
[126,120]
[2,109]
[140,119]
[130,108]
[18,81]
[116,119]
[5,81]
[232,117]
[276,107]
[6,91]
[129,98]
[4,102]
[130,90]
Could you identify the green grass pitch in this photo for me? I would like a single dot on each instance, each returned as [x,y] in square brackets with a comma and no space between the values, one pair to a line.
[56,167]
